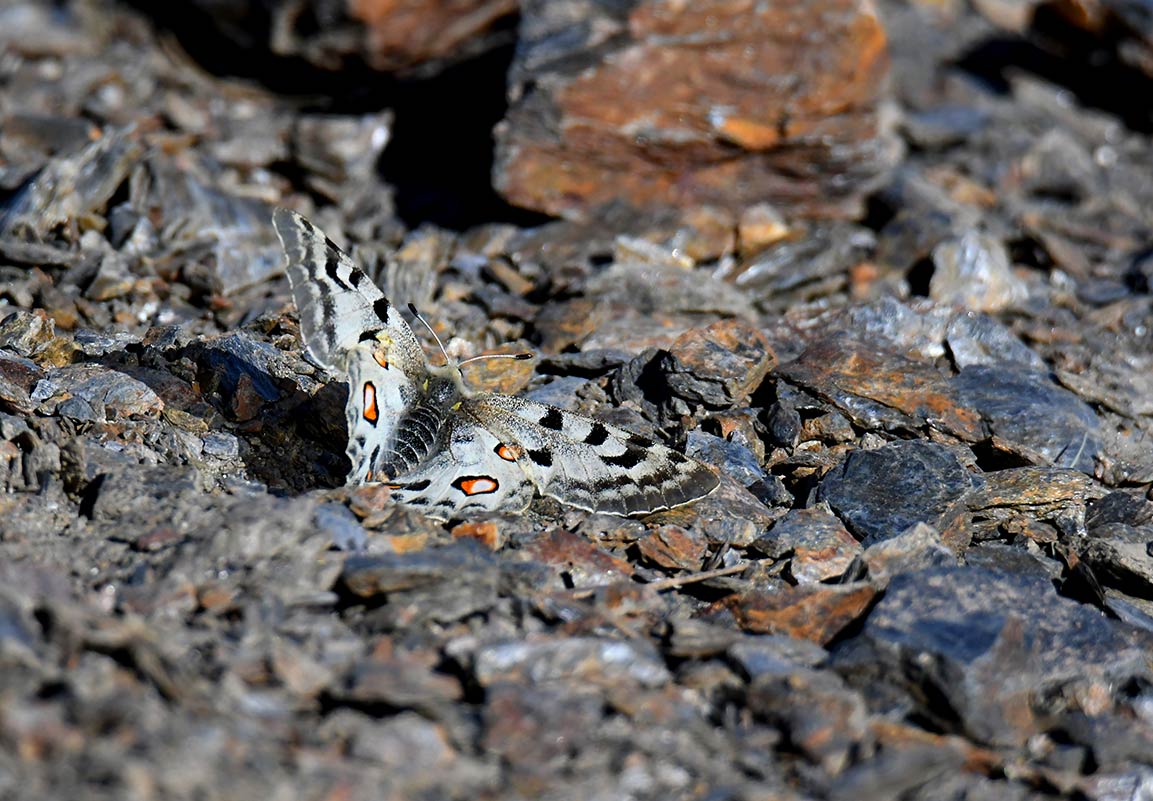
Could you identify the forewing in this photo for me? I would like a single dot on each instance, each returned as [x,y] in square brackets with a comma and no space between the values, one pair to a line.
[590,464]
[339,305]
[474,472]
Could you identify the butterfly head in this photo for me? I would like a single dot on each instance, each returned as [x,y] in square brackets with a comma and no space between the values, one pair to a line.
[451,370]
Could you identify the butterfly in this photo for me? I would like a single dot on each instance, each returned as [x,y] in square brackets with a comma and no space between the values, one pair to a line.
[442,447]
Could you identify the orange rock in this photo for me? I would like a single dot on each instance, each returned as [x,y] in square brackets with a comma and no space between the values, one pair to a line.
[815,612]
[720,102]
[486,532]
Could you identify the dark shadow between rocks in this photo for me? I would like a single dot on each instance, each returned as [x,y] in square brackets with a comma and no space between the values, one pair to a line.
[439,160]
[1088,66]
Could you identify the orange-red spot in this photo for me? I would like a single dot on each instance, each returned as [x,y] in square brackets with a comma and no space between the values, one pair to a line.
[371,413]
[510,453]
[380,358]
[477,485]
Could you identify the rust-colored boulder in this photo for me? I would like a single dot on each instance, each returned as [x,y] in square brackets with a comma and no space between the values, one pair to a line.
[661,103]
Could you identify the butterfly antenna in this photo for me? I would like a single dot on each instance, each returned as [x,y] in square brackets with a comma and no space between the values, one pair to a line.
[520,357]
[424,322]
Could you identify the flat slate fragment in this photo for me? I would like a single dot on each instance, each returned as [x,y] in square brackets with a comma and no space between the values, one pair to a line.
[988,644]
[877,387]
[882,492]
[1031,416]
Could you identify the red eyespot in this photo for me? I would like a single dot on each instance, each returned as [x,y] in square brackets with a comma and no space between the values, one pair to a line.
[476,485]
[370,411]
[510,453]
[380,358]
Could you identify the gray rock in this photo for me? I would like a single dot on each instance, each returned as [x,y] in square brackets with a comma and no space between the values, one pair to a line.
[975,648]
[973,272]
[603,662]
[1031,416]
[881,493]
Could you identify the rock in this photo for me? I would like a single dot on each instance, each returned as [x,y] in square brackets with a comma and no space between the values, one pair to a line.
[811,262]
[399,682]
[134,494]
[979,339]
[231,233]
[582,562]
[239,370]
[18,377]
[818,714]
[32,335]
[881,493]
[341,524]
[729,515]
[1021,641]
[94,394]
[1031,417]
[72,187]
[815,612]
[674,547]
[820,547]
[917,548]
[719,366]
[734,459]
[402,36]
[879,389]
[462,578]
[534,726]
[943,126]
[775,655]
[587,660]
[340,150]
[659,104]
[1121,557]
[1020,495]
[974,272]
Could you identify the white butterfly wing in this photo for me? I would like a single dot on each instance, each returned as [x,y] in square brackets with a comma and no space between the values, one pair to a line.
[590,464]
[340,307]
[473,472]
[380,397]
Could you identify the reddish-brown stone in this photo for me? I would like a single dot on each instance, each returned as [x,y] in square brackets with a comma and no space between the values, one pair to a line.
[815,612]
[843,370]
[721,102]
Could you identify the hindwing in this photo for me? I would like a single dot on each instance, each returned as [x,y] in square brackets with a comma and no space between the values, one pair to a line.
[589,464]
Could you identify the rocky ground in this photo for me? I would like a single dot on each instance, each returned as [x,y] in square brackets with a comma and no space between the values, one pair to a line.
[890,273]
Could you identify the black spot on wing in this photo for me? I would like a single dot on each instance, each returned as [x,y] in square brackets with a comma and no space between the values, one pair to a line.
[597,435]
[677,458]
[306,225]
[332,266]
[355,278]
[381,307]
[369,335]
[639,441]
[630,458]
[541,457]
[415,486]
[552,419]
